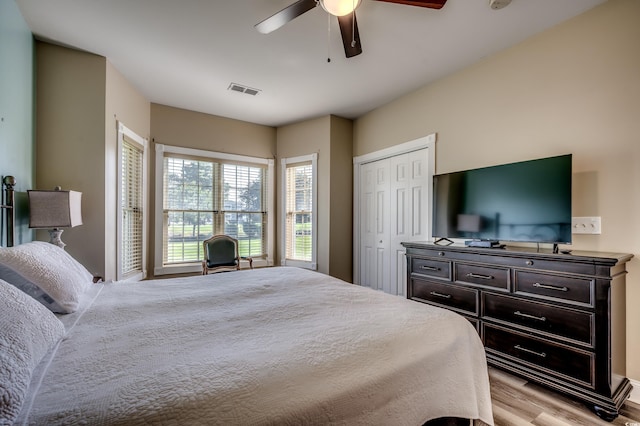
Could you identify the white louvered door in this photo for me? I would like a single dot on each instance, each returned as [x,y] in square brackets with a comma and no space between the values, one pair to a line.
[132,202]
[393,197]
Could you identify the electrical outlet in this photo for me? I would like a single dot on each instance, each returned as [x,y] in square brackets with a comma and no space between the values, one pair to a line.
[586,225]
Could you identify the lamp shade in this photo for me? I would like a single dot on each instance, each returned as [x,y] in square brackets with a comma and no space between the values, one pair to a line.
[340,7]
[54,209]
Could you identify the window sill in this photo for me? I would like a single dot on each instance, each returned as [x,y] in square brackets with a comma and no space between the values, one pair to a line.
[194,267]
[300,264]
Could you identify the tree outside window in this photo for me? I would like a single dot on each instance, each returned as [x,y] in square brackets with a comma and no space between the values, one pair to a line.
[203,198]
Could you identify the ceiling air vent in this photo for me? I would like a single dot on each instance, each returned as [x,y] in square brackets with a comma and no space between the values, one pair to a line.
[235,87]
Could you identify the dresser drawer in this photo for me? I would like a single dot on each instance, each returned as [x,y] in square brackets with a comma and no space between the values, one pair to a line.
[487,276]
[587,268]
[564,288]
[451,296]
[551,358]
[558,321]
[431,268]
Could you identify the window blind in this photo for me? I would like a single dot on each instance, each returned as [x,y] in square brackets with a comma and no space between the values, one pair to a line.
[299,212]
[132,205]
[205,197]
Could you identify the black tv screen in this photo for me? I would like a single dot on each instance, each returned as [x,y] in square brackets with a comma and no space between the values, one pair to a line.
[528,201]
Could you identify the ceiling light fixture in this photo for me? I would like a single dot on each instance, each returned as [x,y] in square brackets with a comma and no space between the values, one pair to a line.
[498,4]
[340,7]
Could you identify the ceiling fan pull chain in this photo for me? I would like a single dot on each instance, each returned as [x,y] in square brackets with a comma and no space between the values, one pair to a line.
[328,37]
[353,25]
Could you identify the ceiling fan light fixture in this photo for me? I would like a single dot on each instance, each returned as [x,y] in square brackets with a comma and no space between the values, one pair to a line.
[340,7]
[498,4]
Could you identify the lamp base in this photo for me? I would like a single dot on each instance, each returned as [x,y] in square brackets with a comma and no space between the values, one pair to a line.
[55,238]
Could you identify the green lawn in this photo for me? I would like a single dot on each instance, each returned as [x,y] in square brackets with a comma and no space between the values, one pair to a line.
[187,247]
[303,247]
[191,250]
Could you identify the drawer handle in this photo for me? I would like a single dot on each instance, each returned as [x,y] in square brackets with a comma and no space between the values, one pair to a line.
[550,287]
[444,296]
[482,277]
[529,351]
[429,268]
[520,314]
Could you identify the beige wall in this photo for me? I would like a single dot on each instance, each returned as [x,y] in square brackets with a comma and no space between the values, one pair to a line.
[126,105]
[180,127]
[341,199]
[572,89]
[304,138]
[79,97]
[70,131]
[331,138]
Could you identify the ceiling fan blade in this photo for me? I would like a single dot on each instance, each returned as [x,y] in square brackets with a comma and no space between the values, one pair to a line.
[350,35]
[432,4]
[287,14]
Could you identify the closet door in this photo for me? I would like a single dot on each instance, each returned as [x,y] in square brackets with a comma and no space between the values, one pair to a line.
[374,249]
[393,200]
[409,212]
[400,229]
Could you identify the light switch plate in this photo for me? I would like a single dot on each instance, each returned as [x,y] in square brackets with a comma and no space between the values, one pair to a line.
[586,225]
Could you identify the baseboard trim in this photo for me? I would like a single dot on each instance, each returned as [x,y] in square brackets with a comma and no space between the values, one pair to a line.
[635,392]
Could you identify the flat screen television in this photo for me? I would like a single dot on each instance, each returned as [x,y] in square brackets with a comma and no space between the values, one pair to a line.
[528,201]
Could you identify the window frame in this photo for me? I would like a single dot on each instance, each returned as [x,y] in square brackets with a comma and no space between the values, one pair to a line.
[285,162]
[196,266]
[143,145]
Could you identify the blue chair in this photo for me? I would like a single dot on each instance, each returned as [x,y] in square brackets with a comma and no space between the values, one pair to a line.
[221,254]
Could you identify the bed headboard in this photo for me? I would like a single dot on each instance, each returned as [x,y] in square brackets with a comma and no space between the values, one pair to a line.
[7,212]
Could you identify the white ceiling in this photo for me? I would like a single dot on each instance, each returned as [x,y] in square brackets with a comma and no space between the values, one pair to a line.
[185,53]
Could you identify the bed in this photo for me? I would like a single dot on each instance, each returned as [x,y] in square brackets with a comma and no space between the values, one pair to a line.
[266,346]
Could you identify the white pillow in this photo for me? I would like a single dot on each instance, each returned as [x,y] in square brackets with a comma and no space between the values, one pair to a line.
[28,331]
[46,272]
[17,280]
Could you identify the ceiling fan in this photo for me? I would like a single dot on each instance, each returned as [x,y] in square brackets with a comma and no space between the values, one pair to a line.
[344,10]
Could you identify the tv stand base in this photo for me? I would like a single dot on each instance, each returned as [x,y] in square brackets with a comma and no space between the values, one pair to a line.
[440,240]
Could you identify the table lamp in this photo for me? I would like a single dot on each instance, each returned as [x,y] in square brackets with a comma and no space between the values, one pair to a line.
[54,209]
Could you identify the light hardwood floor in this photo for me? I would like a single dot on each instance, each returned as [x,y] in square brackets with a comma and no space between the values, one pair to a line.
[518,402]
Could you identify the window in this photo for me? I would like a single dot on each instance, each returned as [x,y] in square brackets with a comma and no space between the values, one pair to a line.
[132,196]
[299,227]
[203,193]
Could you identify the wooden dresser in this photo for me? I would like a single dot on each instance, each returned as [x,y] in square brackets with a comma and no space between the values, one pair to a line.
[556,319]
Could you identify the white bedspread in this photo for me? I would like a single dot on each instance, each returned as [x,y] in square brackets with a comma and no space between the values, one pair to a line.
[267,346]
